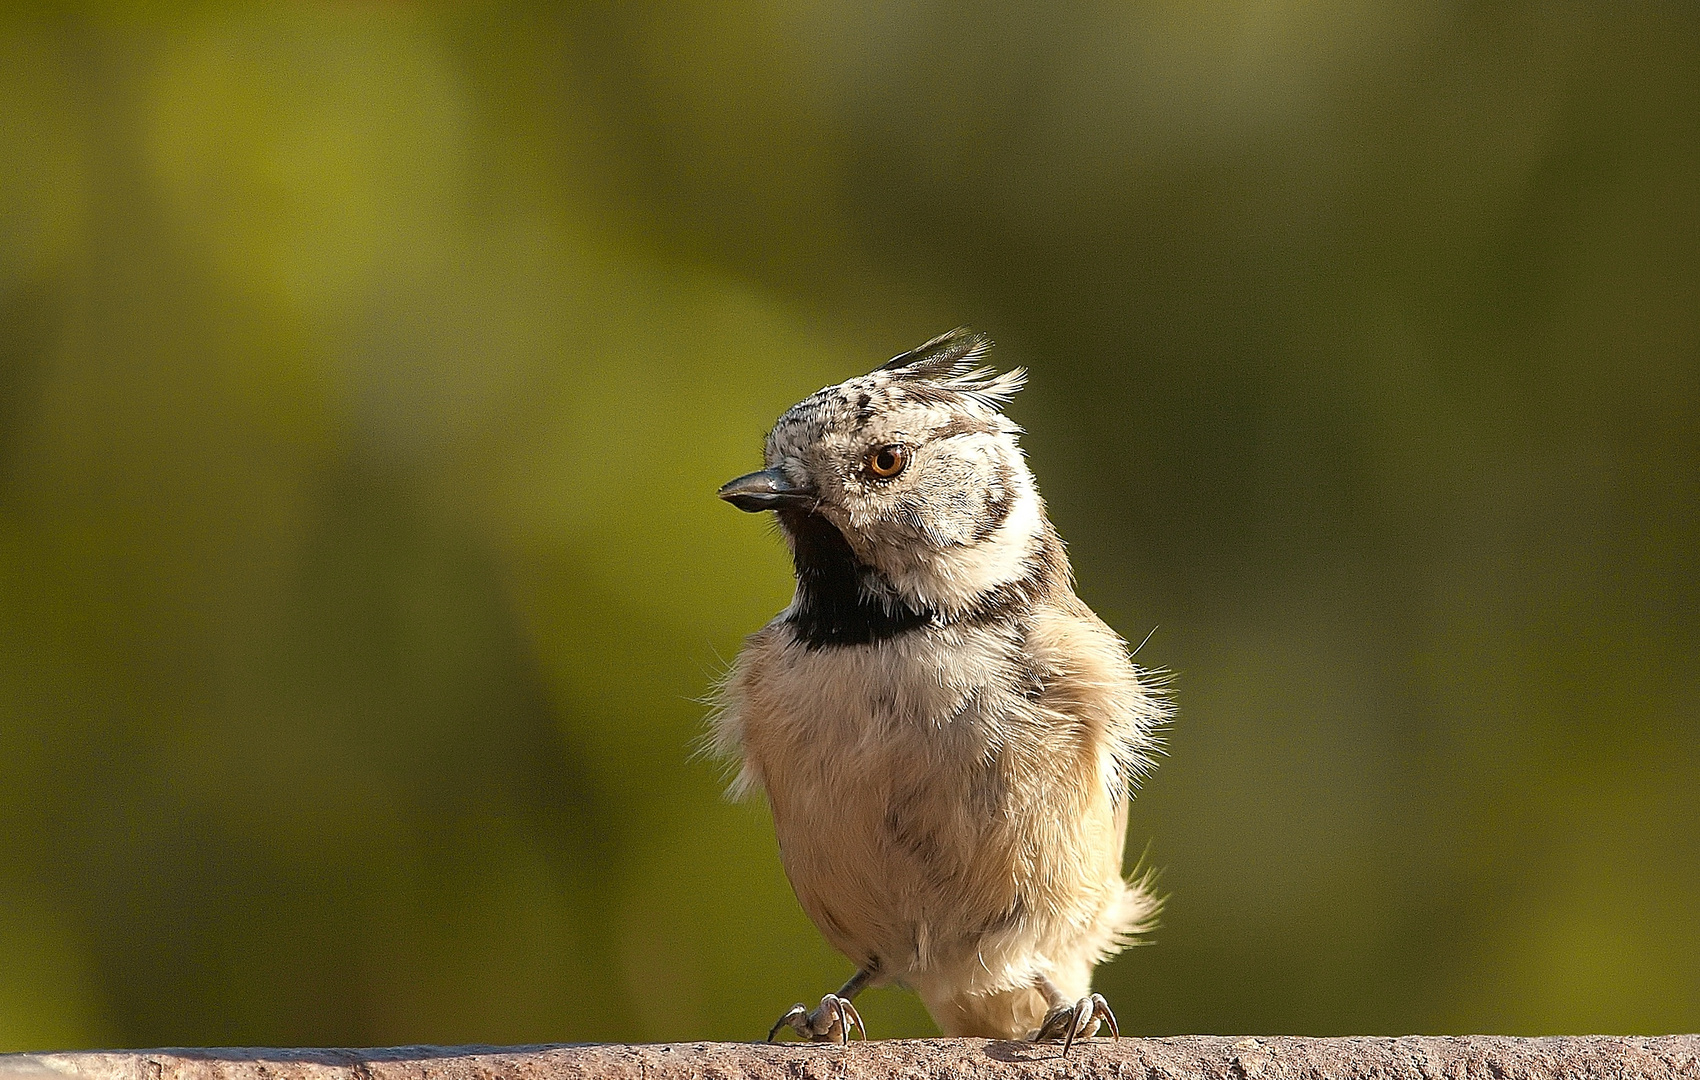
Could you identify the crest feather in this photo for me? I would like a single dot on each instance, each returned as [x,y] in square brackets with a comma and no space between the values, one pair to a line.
[951,353]
[948,363]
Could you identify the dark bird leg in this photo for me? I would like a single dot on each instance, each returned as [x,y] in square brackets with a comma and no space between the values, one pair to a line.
[833,1020]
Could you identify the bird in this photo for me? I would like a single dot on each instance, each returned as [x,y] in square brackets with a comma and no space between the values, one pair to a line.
[946,735]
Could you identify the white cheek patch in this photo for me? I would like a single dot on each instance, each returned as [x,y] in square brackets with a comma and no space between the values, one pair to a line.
[949,579]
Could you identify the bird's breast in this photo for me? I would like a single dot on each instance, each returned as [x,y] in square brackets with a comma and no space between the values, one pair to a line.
[883,768]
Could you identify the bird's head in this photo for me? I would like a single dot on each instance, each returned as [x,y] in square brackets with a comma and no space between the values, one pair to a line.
[915,470]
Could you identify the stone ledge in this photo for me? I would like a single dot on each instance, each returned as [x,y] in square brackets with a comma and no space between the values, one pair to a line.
[1193,1057]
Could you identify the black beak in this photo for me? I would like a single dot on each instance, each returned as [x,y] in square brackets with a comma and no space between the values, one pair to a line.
[765,490]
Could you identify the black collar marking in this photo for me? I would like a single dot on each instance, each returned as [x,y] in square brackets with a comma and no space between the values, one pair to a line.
[841,601]
[832,607]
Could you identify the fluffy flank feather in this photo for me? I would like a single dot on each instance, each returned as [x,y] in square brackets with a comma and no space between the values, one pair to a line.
[1140,909]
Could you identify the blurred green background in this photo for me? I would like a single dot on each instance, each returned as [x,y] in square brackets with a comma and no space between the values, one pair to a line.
[367,371]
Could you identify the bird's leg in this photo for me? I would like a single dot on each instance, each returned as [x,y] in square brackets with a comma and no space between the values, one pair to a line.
[1071,1020]
[832,1020]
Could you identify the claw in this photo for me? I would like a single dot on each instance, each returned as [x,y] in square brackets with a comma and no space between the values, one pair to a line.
[795,1017]
[1077,1021]
[849,1018]
[832,1021]
[1101,1009]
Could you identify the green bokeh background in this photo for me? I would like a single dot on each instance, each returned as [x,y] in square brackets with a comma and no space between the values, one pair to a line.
[367,370]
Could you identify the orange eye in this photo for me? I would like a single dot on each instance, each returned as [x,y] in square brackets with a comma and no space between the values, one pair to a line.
[887,461]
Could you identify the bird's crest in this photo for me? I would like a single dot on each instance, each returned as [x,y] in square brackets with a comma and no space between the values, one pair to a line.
[949,363]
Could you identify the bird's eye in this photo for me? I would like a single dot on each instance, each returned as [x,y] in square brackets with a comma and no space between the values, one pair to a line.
[887,461]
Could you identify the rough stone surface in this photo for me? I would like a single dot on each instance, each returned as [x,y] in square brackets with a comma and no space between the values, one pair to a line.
[1196,1057]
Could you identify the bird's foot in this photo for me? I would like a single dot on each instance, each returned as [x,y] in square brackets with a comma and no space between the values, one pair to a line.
[831,1022]
[1077,1021]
